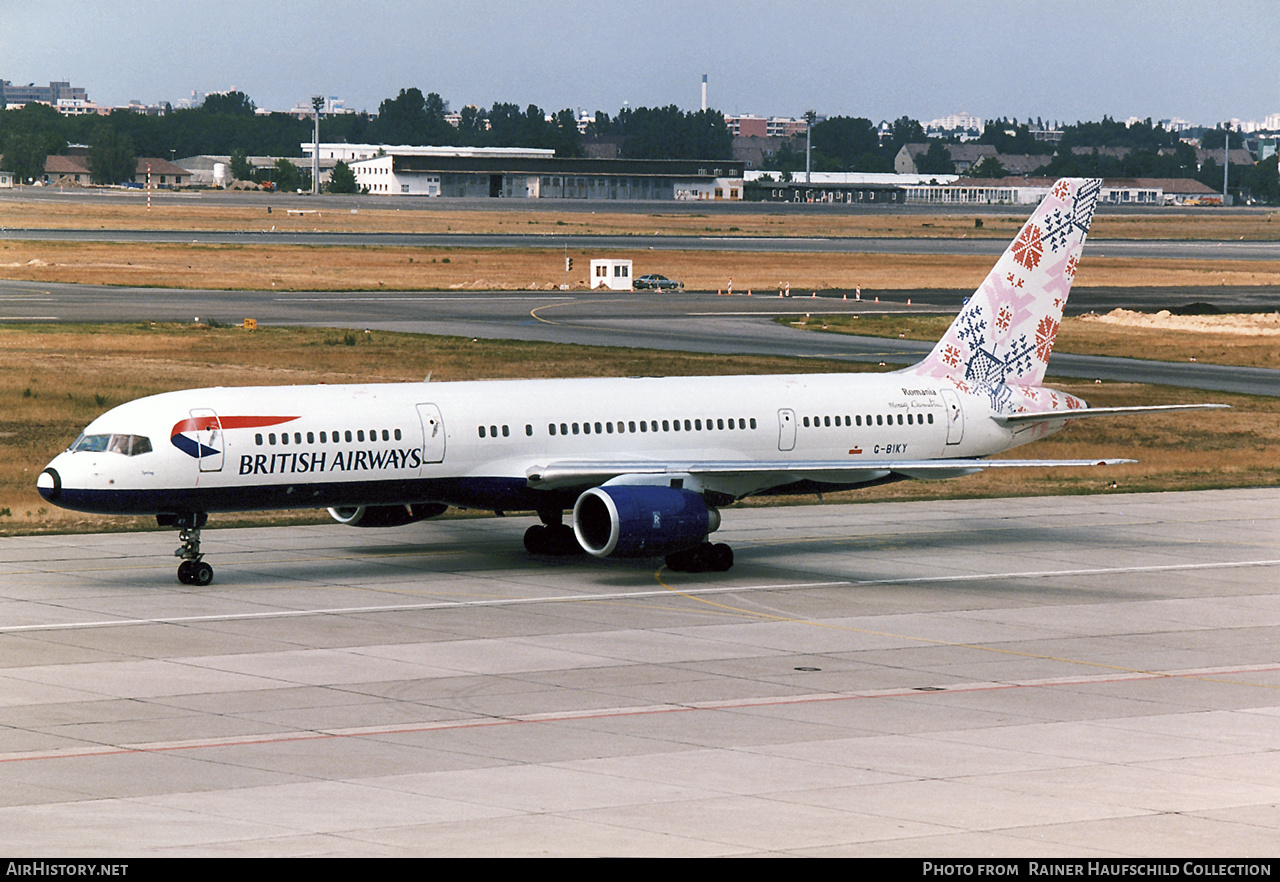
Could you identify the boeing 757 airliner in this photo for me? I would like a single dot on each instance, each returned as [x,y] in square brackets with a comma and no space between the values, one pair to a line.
[643,464]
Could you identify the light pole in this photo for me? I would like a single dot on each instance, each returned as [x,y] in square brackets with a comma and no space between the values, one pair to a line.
[809,117]
[317,102]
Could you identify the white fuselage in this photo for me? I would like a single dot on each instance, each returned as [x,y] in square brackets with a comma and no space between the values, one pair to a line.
[474,444]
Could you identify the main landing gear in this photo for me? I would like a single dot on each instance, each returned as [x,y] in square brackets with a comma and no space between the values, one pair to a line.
[552,537]
[193,570]
[705,558]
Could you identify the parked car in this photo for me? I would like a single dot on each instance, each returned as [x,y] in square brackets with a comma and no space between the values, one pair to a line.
[655,282]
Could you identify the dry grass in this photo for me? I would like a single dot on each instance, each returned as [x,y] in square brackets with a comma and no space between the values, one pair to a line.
[193,211]
[340,268]
[55,379]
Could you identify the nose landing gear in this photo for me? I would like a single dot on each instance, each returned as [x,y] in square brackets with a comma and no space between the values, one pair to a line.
[193,570]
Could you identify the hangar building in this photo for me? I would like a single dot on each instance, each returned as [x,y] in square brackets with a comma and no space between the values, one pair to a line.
[531,173]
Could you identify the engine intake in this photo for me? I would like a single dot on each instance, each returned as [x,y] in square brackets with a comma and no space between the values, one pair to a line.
[641,521]
[386,515]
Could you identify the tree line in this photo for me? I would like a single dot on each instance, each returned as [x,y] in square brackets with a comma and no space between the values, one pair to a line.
[228,124]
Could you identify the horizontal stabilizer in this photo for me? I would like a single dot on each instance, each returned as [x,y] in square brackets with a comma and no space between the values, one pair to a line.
[1054,416]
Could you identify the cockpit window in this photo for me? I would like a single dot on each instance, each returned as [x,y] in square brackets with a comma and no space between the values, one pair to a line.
[128,445]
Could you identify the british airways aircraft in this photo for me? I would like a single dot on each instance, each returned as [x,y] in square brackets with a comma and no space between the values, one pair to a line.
[643,464]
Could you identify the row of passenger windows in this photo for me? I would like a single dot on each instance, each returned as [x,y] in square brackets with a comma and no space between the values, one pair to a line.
[697,425]
[879,420]
[631,426]
[628,427]
[336,437]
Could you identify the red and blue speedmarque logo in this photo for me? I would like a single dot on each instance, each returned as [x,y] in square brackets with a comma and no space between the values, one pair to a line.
[190,435]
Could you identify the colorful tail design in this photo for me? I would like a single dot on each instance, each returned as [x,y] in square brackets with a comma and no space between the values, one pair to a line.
[1004,334]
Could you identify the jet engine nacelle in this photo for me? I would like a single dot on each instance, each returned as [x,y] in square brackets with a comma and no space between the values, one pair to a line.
[641,521]
[386,515]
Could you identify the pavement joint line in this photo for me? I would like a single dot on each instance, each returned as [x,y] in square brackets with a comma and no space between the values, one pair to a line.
[612,713]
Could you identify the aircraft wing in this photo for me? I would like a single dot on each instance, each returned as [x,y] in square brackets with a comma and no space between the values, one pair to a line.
[769,473]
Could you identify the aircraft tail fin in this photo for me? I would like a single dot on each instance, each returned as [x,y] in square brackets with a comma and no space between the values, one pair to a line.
[1005,332]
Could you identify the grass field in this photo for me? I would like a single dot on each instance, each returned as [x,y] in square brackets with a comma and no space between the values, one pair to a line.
[342,268]
[195,212]
[55,379]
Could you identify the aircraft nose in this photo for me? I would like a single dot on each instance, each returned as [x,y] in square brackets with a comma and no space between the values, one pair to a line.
[49,483]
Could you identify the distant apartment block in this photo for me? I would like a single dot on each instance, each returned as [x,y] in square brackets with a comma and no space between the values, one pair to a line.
[332,106]
[953,123]
[12,96]
[748,126]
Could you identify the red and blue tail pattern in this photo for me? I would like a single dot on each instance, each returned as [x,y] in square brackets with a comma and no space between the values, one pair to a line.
[1002,338]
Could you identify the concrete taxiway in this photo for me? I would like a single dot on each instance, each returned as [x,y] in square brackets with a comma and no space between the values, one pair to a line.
[1089,676]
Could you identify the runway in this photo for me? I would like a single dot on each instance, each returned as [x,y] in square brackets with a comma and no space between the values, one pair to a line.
[1083,676]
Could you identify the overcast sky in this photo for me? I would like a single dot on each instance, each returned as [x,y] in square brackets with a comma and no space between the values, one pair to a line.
[1070,60]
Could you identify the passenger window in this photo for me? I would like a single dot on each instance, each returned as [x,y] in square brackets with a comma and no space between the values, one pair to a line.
[271,439]
[506,432]
[386,436]
[397,435]
[564,429]
[297,437]
[551,428]
[311,437]
[631,426]
[753,422]
[481,430]
[359,434]
[899,419]
[697,424]
[528,430]
[349,435]
[257,439]
[597,428]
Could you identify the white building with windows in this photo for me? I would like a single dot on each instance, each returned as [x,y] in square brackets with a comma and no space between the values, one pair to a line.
[611,273]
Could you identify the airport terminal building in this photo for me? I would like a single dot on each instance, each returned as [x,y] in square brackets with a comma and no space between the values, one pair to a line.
[531,173]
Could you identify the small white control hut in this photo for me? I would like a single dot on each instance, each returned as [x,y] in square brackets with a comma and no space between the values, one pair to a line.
[612,274]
